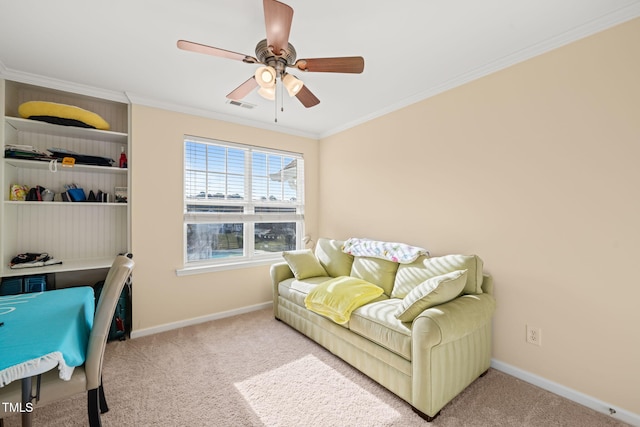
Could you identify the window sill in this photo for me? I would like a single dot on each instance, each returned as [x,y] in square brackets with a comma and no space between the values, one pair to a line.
[212,268]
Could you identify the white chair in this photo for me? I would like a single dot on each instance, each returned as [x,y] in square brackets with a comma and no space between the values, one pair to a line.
[88,377]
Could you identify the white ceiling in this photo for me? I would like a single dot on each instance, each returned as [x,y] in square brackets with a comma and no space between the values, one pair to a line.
[413,49]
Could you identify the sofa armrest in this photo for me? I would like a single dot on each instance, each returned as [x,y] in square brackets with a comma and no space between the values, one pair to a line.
[451,347]
[280,271]
[487,284]
[455,319]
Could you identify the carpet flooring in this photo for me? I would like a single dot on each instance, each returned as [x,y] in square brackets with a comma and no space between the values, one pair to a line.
[251,370]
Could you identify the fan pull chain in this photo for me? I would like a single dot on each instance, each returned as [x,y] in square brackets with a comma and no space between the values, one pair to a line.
[275,103]
[282,97]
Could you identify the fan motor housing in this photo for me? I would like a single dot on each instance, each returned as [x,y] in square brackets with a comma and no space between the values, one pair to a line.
[266,56]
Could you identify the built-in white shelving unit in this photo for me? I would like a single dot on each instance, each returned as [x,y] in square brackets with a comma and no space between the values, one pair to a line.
[83,235]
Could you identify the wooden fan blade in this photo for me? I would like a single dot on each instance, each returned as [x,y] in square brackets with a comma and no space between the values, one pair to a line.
[214,51]
[277,21]
[244,89]
[346,64]
[307,98]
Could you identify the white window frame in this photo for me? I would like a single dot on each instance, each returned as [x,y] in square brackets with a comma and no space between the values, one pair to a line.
[248,218]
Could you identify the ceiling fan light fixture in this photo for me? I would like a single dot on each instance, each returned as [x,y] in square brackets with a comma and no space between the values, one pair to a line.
[273,55]
[266,77]
[267,93]
[292,83]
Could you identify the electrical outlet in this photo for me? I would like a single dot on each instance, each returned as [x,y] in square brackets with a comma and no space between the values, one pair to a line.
[534,335]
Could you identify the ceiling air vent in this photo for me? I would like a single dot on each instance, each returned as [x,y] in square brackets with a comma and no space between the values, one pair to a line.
[241,104]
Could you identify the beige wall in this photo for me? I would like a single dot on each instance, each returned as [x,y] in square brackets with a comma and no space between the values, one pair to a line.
[534,168]
[159,296]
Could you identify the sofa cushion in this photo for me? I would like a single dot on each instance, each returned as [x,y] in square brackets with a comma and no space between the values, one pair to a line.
[434,291]
[377,322]
[335,262]
[377,271]
[304,264]
[338,297]
[411,275]
[297,290]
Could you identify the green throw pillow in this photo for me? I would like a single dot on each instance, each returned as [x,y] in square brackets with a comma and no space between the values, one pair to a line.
[304,264]
[434,291]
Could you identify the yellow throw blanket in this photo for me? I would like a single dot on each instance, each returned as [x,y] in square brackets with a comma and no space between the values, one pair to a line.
[338,297]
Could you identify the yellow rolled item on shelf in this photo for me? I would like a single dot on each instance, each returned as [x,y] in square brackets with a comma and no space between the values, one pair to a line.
[62,114]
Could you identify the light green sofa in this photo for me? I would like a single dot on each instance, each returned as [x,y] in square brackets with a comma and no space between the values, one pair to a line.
[426,362]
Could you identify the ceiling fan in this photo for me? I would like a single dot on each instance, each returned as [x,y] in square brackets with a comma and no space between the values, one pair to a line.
[276,54]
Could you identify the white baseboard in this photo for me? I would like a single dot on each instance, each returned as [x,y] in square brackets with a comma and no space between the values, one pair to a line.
[138,333]
[576,396]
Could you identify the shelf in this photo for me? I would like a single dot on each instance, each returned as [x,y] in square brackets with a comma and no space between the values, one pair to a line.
[67,265]
[26,125]
[22,203]
[44,165]
[69,231]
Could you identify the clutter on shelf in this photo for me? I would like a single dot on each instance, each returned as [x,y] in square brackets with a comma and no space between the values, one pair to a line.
[32,259]
[62,114]
[70,193]
[27,152]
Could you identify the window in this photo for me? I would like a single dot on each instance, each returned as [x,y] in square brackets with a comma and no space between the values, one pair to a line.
[241,203]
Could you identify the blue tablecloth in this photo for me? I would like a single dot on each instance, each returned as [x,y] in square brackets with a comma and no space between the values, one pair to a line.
[42,330]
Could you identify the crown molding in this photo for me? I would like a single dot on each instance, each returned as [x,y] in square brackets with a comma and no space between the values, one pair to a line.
[617,17]
[132,98]
[612,19]
[66,86]
[163,105]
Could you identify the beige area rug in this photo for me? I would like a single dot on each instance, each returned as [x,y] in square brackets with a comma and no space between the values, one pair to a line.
[251,370]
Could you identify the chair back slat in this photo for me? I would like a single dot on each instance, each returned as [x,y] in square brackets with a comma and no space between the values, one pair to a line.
[114,283]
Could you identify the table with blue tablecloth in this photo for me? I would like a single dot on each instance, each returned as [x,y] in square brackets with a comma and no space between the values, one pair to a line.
[43,330]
